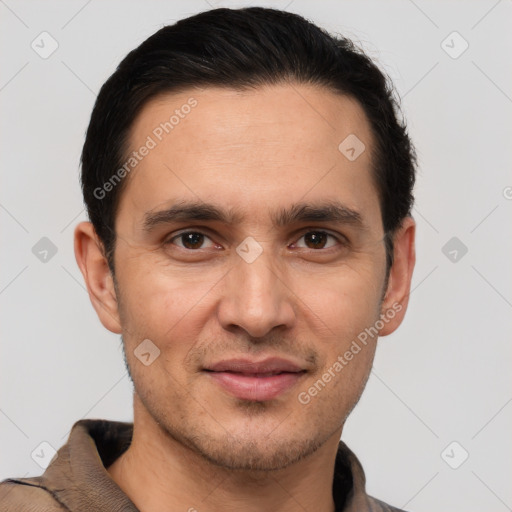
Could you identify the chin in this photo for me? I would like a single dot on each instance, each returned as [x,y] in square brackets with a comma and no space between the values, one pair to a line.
[253,451]
[255,456]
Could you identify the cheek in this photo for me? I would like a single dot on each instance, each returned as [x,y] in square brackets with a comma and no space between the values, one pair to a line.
[347,351]
[343,307]
[171,314]
[169,306]
[344,299]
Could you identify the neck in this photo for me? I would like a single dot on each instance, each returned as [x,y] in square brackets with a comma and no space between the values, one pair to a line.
[159,473]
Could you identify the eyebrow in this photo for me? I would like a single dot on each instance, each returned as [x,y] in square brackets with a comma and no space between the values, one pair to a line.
[188,211]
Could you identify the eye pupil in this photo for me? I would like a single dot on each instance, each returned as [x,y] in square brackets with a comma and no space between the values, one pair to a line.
[316,238]
[192,240]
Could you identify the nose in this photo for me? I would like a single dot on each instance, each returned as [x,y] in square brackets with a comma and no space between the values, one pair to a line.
[256,298]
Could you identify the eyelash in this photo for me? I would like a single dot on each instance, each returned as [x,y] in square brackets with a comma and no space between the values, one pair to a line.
[342,241]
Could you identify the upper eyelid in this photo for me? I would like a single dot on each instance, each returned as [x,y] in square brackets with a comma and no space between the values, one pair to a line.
[341,239]
[174,237]
[335,234]
[185,231]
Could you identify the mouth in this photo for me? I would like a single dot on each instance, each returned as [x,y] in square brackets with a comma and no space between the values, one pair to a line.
[255,380]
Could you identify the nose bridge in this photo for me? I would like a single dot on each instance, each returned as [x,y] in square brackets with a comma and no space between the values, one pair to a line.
[255,297]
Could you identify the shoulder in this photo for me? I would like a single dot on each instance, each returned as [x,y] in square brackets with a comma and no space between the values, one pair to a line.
[26,495]
[379,506]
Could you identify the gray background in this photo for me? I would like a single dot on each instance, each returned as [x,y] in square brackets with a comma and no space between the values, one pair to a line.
[444,376]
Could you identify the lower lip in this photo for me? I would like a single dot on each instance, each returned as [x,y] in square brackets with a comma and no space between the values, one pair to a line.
[249,387]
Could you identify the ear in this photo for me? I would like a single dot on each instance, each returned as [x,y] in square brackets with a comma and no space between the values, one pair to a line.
[396,299]
[90,257]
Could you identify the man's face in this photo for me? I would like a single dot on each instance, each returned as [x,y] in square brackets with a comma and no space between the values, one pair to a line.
[246,326]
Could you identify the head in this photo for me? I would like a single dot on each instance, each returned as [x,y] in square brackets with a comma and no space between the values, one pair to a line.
[249,186]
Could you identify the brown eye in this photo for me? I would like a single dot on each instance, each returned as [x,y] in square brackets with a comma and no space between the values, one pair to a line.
[192,240]
[189,240]
[316,240]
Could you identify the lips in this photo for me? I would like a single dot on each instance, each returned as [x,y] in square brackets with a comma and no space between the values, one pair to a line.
[255,380]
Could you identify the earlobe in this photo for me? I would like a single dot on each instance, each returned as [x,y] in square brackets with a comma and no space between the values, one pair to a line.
[98,278]
[396,298]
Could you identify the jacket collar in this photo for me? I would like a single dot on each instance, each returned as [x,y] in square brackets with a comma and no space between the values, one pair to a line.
[78,479]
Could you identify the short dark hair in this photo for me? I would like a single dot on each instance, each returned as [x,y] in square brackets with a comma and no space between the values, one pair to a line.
[244,48]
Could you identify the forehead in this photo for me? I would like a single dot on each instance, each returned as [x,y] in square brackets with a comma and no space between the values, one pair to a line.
[253,147]
[269,115]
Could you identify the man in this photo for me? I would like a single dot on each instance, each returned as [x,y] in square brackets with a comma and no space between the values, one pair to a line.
[249,188]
